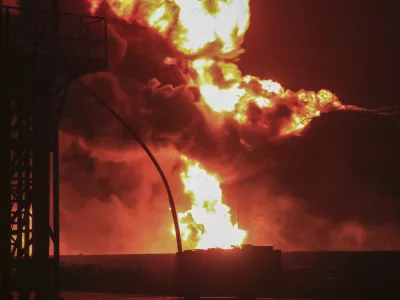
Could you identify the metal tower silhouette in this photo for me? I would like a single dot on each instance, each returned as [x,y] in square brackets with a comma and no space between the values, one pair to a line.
[41,51]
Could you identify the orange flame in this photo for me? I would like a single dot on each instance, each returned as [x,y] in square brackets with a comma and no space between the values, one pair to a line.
[194,27]
[207,224]
[209,35]
[122,8]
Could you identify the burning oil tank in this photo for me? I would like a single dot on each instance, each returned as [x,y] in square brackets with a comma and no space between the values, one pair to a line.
[246,272]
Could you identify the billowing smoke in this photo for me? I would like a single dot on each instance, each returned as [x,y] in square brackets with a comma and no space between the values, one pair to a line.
[298,193]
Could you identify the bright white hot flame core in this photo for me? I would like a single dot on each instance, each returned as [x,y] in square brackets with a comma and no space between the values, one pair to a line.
[208,223]
[210,21]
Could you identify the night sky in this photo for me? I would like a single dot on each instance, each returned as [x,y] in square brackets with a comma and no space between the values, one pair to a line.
[349,47]
[346,166]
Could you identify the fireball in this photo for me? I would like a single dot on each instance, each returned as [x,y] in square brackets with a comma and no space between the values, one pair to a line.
[210,35]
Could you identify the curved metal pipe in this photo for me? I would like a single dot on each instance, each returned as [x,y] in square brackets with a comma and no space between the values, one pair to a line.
[153,159]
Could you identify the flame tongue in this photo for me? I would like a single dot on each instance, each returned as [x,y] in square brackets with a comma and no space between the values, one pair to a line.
[208,222]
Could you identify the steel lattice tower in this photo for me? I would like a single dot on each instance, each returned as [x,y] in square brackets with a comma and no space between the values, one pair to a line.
[41,51]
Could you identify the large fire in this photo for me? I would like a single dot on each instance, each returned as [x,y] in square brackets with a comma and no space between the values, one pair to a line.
[208,36]
[207,223]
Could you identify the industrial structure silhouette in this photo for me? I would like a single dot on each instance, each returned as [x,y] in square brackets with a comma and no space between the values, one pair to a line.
[42,50]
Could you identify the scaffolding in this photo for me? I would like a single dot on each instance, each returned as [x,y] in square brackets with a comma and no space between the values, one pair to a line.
[40,53]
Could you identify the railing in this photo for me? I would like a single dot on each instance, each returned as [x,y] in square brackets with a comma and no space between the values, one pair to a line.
[44,32]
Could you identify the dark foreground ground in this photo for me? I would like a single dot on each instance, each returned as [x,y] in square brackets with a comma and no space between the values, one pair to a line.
[336,275]
[102,296]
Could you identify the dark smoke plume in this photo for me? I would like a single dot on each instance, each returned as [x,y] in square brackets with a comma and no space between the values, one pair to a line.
[318,191]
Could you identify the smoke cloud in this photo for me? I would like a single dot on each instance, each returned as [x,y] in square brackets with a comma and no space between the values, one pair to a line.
[312,192]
